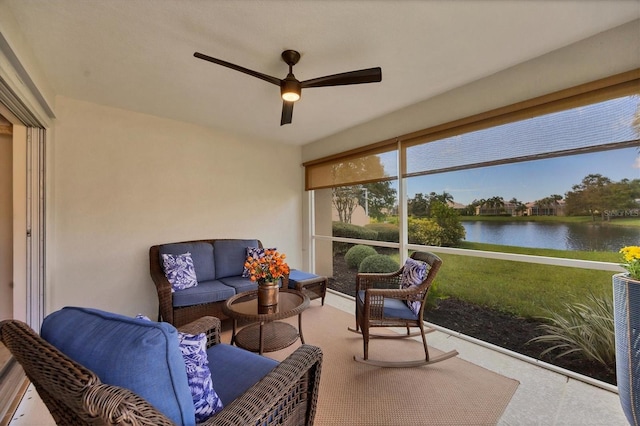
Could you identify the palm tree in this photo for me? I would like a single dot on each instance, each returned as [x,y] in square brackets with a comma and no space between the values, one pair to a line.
[444,198]
[495,203]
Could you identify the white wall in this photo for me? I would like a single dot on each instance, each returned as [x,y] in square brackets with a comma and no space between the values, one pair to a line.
[6,226]
[123,181]
[605,54]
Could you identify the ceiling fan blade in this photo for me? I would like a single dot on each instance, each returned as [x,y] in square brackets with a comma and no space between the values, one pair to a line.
[369,75]
[287,113]
[256,74]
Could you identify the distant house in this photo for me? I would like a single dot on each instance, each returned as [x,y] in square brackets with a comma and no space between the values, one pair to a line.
[456,206]
[555,209]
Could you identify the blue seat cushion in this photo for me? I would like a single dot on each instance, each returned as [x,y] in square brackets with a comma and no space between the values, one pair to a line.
[201,254]
[204,292]
[240,284]
[296,276]
[392,308]
[141,356]
[230,256]
[234,370]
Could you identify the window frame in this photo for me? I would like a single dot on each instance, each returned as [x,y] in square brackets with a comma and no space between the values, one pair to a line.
[626,83]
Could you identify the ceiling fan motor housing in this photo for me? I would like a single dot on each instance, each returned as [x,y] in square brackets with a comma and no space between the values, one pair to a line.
[290,89]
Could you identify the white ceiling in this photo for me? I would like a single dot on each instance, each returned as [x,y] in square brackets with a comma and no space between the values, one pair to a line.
[138,54]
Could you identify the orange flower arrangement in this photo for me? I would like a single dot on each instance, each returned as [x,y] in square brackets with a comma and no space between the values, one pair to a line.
[269,267]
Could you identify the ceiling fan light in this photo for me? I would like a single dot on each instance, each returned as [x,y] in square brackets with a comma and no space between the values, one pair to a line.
[290,89]
[290,96]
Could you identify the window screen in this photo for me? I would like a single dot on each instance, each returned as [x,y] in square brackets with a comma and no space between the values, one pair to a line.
[607,124]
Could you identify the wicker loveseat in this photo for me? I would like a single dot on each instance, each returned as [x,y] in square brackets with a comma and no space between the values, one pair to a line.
[286,393]
[218,266]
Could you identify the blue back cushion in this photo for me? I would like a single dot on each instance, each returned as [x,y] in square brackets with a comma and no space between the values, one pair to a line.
[139,355]
[230,256]
[201,253]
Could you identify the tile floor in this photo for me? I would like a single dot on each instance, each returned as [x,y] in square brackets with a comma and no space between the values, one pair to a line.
[544,397]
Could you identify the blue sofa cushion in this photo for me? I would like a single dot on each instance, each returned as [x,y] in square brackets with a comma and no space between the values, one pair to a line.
[295,276]
[141,356]
[201,253]
[235,370]
[392,308]
[230,256]
[205,292]
[240,284]
[179,270]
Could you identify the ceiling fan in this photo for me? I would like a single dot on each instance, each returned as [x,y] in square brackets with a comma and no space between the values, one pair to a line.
[291,88]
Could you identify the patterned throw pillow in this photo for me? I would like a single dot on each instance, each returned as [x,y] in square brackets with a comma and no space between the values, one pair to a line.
[255,253]
[194,352]
[413,273]
[179,270]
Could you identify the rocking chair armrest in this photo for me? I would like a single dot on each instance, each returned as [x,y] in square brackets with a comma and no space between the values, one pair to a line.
[391,293]
[366,281]
[211,326]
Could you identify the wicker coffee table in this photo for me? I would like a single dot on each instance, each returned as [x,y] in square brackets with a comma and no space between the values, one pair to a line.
[266,333]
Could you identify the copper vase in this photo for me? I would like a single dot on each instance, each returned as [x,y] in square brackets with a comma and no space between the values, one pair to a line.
[268,293]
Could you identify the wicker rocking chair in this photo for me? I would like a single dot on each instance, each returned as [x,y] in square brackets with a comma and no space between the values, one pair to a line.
[381,302]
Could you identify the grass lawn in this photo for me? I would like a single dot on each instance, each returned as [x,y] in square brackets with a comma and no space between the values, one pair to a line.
[523,289]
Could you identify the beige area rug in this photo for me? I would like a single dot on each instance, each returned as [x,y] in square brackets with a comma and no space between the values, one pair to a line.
[452,392]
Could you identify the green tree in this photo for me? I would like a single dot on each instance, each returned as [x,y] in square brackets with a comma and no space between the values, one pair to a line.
[345,200]
[360,169]
[445,197]
[449,220]
[471,209]
[548,206]
[596,194]
[378,198]
[418,205]
[494,204]
[518,206]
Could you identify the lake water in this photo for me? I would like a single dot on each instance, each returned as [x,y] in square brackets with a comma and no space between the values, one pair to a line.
[561,236]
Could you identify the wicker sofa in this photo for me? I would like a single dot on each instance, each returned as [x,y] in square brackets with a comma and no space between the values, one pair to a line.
[218,265]
[285,394]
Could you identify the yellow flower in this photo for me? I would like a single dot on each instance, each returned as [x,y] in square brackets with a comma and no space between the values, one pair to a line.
[631,257]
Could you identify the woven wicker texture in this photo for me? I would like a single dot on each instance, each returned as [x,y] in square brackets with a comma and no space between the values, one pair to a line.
[265,335]
[626,299]
[454,392]
[75,396]
[378,287]
[166,311]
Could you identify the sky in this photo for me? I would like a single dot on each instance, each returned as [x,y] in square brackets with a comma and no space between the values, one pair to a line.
[531,180]
[582,127]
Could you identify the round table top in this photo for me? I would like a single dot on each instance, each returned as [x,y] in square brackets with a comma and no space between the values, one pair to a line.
[244,306]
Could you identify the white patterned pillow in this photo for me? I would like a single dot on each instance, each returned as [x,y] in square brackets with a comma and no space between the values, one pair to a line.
[179,270]
[194,351]
[413,273]
[256,253]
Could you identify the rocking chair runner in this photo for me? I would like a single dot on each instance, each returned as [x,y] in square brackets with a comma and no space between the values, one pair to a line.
[381,302]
